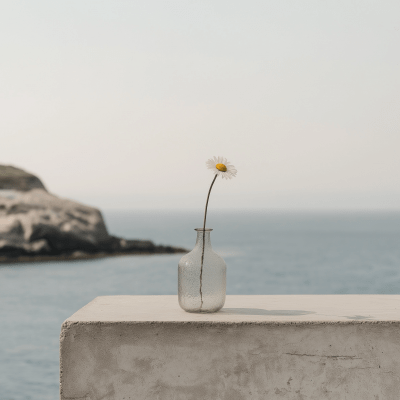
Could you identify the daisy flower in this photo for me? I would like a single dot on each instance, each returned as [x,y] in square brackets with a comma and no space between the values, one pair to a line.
[221,167]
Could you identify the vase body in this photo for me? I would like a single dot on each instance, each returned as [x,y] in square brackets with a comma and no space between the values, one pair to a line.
[202,289]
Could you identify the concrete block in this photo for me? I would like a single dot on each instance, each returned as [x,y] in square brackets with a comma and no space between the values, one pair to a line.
[333,347]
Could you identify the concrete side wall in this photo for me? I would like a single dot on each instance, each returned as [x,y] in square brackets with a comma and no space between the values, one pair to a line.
[195,361]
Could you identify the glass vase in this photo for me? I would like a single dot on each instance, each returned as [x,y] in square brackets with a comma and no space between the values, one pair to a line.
[202,288]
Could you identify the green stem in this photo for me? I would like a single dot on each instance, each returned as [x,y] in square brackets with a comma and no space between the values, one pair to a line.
[204,235]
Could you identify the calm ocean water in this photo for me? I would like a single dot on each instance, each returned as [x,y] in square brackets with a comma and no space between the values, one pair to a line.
[266,253]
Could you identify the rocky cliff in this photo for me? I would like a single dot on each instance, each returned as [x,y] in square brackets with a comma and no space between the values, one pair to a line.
[35,224]
[17,179]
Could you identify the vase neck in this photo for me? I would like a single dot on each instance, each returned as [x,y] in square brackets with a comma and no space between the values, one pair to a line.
[207,240]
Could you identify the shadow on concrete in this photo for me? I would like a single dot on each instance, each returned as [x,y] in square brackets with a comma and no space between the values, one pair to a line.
[260,311]
[358,317]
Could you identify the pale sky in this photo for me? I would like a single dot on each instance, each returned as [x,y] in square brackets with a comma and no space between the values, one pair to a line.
[119,104]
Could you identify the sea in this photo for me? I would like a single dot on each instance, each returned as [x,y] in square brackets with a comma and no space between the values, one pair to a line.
[266,253]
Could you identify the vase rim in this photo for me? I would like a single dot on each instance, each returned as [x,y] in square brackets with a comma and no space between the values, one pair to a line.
[201,229]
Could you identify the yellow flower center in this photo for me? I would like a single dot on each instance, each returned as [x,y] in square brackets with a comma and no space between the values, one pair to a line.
[221,167]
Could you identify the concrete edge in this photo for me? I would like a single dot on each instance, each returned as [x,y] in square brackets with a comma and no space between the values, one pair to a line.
[63,334]
[69,323]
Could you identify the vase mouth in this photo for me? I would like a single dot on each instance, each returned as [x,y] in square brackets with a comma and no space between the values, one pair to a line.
[201,229]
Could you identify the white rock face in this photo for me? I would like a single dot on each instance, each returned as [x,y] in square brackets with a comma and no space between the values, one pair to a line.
[37,222]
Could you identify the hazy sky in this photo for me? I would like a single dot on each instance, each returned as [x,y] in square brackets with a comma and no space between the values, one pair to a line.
[120,103]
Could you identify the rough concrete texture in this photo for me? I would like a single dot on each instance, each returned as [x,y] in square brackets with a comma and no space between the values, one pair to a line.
[257,347]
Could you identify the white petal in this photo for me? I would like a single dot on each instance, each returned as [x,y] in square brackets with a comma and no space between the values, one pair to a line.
[230,169]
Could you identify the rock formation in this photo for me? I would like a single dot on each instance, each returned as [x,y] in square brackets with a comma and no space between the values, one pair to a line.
[35,224]
[17,179]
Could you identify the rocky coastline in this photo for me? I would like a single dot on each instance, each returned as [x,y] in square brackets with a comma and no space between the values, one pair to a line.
[36,225]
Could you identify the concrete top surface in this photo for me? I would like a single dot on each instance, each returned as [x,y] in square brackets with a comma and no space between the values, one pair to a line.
[300,309]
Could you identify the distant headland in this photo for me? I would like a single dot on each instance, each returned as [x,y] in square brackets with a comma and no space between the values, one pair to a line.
[36,225]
